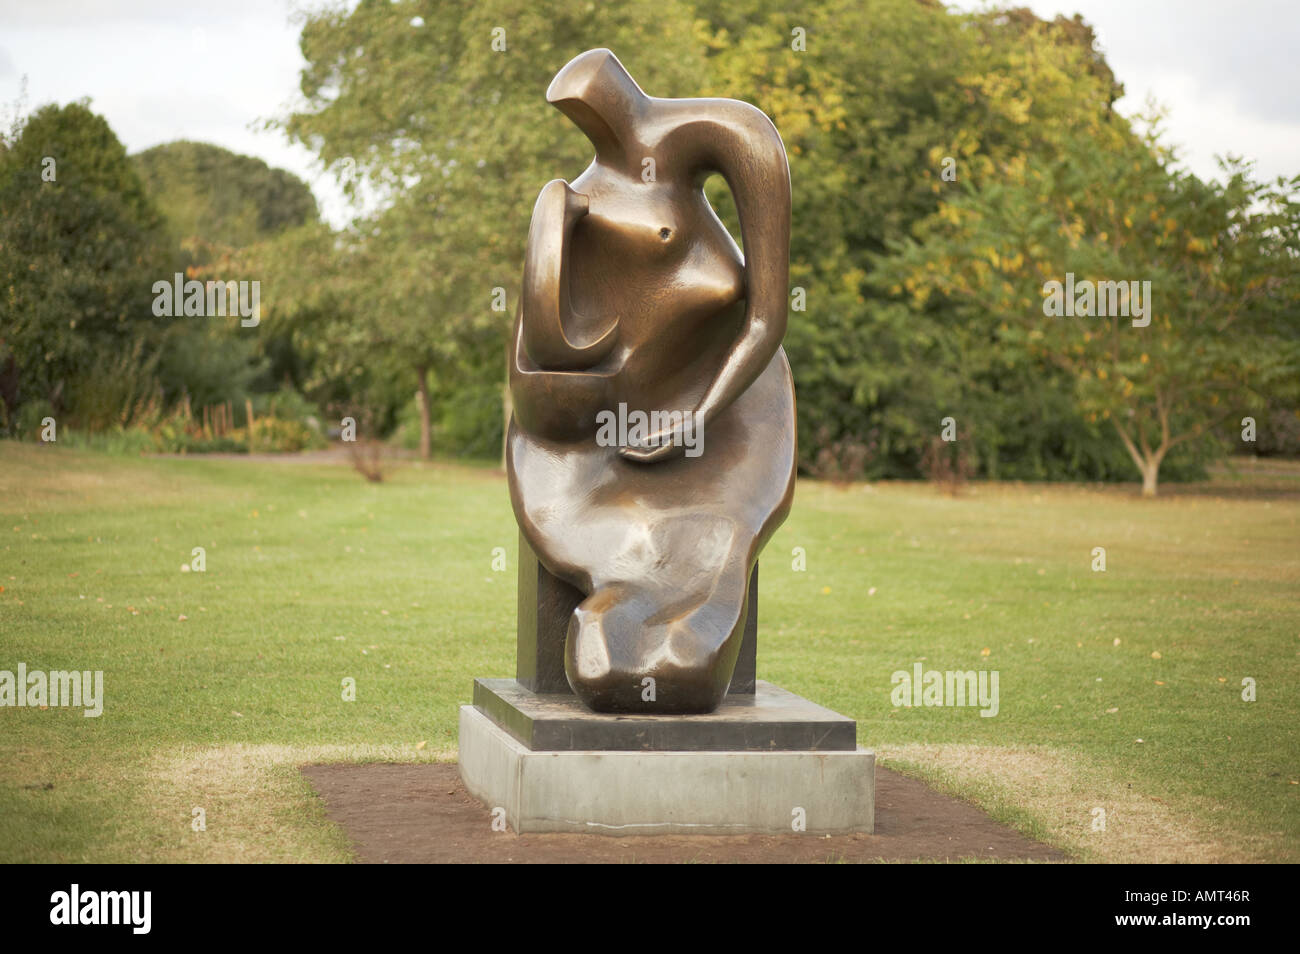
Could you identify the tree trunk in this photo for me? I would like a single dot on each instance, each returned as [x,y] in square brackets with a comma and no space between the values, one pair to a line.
[1150,477]
[426,427]
[1147,461]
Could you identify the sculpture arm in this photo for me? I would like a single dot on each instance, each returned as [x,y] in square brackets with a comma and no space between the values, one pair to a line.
[545,308]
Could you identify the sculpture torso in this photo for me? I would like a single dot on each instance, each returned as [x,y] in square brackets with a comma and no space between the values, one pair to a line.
[655,257]
[634,293]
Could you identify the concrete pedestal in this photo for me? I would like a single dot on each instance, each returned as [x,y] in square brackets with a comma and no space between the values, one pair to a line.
[695,788]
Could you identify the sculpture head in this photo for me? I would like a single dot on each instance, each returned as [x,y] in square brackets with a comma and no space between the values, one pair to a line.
[597,93]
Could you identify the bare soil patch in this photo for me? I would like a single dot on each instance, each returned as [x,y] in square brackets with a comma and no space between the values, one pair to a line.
[422,814]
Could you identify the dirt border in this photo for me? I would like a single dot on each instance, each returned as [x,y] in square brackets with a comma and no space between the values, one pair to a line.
[396,814]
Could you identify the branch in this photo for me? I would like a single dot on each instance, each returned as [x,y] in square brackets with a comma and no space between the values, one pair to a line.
[1128,443]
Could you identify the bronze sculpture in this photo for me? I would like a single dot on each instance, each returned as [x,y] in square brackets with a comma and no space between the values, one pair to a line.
[635,296]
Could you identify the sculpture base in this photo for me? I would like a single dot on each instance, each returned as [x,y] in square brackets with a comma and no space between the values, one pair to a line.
[612,787]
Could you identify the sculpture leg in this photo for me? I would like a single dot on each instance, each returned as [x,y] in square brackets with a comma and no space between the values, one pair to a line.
[669,645]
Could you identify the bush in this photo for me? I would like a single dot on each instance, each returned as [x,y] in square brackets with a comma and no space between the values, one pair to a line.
[277,435]
[119,441]
[288,405]
[27,422]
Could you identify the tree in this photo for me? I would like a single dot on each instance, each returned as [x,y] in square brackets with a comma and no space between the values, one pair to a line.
[80,246]
[438,108]
[216,202]
[212,196]
[1168,301]
[878,132]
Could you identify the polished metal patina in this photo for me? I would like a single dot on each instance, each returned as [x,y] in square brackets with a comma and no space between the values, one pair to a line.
[636,299]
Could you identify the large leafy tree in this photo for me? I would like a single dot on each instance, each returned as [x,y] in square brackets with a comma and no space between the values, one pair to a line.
[211,196]
[1206,335]
[437,108]
[885,108]
[217,202]
[80,246]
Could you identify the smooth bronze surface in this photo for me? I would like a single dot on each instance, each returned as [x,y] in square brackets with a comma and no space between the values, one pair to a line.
[636,299]
[546,604]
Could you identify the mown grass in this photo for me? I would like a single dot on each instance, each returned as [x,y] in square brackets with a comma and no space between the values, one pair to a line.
[313,575]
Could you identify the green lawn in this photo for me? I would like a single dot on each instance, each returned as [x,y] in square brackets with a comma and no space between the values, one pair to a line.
[313,576]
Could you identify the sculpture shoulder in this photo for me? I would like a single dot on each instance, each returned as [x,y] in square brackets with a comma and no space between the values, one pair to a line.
[710,130]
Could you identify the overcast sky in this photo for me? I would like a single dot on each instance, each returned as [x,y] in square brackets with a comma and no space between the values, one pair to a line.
[212,70]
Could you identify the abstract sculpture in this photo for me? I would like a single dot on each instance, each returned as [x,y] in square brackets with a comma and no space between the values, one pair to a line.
[652,450]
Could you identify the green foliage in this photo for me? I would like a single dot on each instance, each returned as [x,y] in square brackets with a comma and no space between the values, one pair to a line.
[213,197]
[80,245]
[1216,263]
[944,166]
[469,421]
[456,139]
[273,434]
[206,363]
[28,420]
[216,203]
[870,128]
